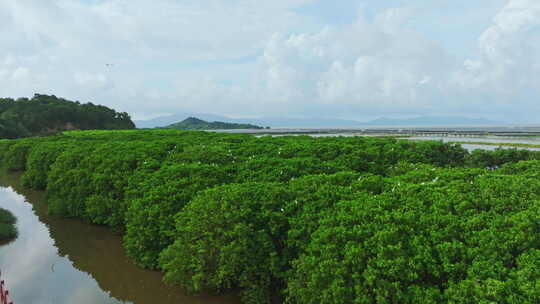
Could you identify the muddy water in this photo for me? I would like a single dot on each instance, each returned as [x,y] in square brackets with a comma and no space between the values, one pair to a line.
[64,261]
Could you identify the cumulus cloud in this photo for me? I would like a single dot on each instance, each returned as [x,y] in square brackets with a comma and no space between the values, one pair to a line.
[248,57]
[507,70]
[150,43]
[509,48]
[365,64]
[92,81]
[384,67]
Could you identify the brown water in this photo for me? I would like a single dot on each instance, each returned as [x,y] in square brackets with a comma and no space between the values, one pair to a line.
[64,261]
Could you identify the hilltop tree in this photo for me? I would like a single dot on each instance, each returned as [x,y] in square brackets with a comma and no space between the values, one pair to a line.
[47,115]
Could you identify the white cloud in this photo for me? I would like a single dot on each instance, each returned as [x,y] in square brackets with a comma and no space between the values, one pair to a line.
[151,43]
[386,67]
[21,74]
[248,57]
[509,62]
[393,19]
[363,64]
[92,81]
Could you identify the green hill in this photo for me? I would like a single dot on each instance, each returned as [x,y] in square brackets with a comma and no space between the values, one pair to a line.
[193,123]
[47,115]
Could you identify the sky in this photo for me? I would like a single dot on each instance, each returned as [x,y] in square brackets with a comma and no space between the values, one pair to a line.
[296,58]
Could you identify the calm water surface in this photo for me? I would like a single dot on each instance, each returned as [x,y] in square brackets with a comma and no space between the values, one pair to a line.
[65,261]
[470,147]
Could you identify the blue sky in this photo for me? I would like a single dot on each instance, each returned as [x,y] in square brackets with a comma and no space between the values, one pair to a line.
[298,58]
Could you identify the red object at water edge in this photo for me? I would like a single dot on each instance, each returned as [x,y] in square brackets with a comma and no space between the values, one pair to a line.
[4,294]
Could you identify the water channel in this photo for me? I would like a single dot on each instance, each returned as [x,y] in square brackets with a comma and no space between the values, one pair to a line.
[488,140]
[474,141]
[66,261]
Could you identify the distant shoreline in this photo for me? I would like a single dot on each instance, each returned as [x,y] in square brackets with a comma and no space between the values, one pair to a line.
[401,131]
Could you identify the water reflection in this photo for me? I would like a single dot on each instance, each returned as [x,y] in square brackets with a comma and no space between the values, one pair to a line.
[60,261]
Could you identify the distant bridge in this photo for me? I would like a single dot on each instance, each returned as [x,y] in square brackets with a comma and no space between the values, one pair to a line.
[4,294]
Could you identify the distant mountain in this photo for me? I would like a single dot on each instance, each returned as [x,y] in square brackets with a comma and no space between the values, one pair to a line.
[192,123]
[432,121]
[282,122]
[163,121]
[264,121]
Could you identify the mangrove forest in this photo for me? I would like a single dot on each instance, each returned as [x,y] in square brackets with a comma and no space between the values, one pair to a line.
[302,220]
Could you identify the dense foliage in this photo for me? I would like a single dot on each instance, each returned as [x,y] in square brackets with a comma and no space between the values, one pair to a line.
[45,115]
[8,231]
[301,219]
[193,123]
